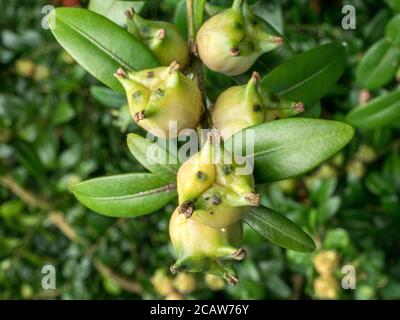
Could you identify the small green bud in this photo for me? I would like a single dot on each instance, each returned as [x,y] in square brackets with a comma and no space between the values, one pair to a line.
[161,97]
[161,37]
[42,72]
[185,283]
[162,283]
[25,68]
[287,186]
[355,169]
[232,40]
[366,154]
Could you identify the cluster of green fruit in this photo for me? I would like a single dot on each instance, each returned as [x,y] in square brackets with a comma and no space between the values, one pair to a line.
[229,42]
[205,229]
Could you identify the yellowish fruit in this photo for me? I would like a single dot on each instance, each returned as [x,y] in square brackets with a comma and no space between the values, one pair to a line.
[185,283]
[201,248]
[212,189]
[163,38]
[326,287]
[326,262]
[162,100]
[237,108]
[213,282]
[162,283]
[232,40]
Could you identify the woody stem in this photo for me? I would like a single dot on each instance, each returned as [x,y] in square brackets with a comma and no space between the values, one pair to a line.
[196,64]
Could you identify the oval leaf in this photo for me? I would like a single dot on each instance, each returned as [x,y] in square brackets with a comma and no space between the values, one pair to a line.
[153,157]
[379,112]
[115,9]
[393,31]
[309,76]
[127,195]
[279,230]
[290,147]
[99,45]
[378,66]
[107,97]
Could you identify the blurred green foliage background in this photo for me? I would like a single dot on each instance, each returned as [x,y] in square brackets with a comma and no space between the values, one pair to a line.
[58,126]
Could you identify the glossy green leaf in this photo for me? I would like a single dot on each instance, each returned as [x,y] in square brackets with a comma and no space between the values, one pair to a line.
[180,18]
[107,97]
[198,12]
[279,229]
[379,112]
[393,31]
[378,185]
[127,195]
[378,66]
[290,147]
[115,9]
[100,45]
[153,157]
[375,28]
[309,76]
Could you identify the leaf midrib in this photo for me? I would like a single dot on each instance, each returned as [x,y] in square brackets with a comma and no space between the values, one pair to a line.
[136,149]
[314,75]
[169,188]
[98,45]
[264,152]
[381,62]
[279,230]
[366,119]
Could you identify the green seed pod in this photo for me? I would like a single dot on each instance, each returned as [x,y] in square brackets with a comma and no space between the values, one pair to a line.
[219,207]
[238,107]
[232,40]
[162,97]
[196,175]
[200,248]
[211,188]
[163,38]
[230,177]
[243,106]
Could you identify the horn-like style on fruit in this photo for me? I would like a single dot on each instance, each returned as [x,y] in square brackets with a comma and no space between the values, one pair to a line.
[163,38]
[243,106]
[238,107]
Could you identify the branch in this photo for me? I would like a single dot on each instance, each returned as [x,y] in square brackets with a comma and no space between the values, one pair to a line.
[122,282]
[196,63]
[26,196]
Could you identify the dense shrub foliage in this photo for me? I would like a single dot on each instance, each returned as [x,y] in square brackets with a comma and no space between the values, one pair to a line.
[60,126]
